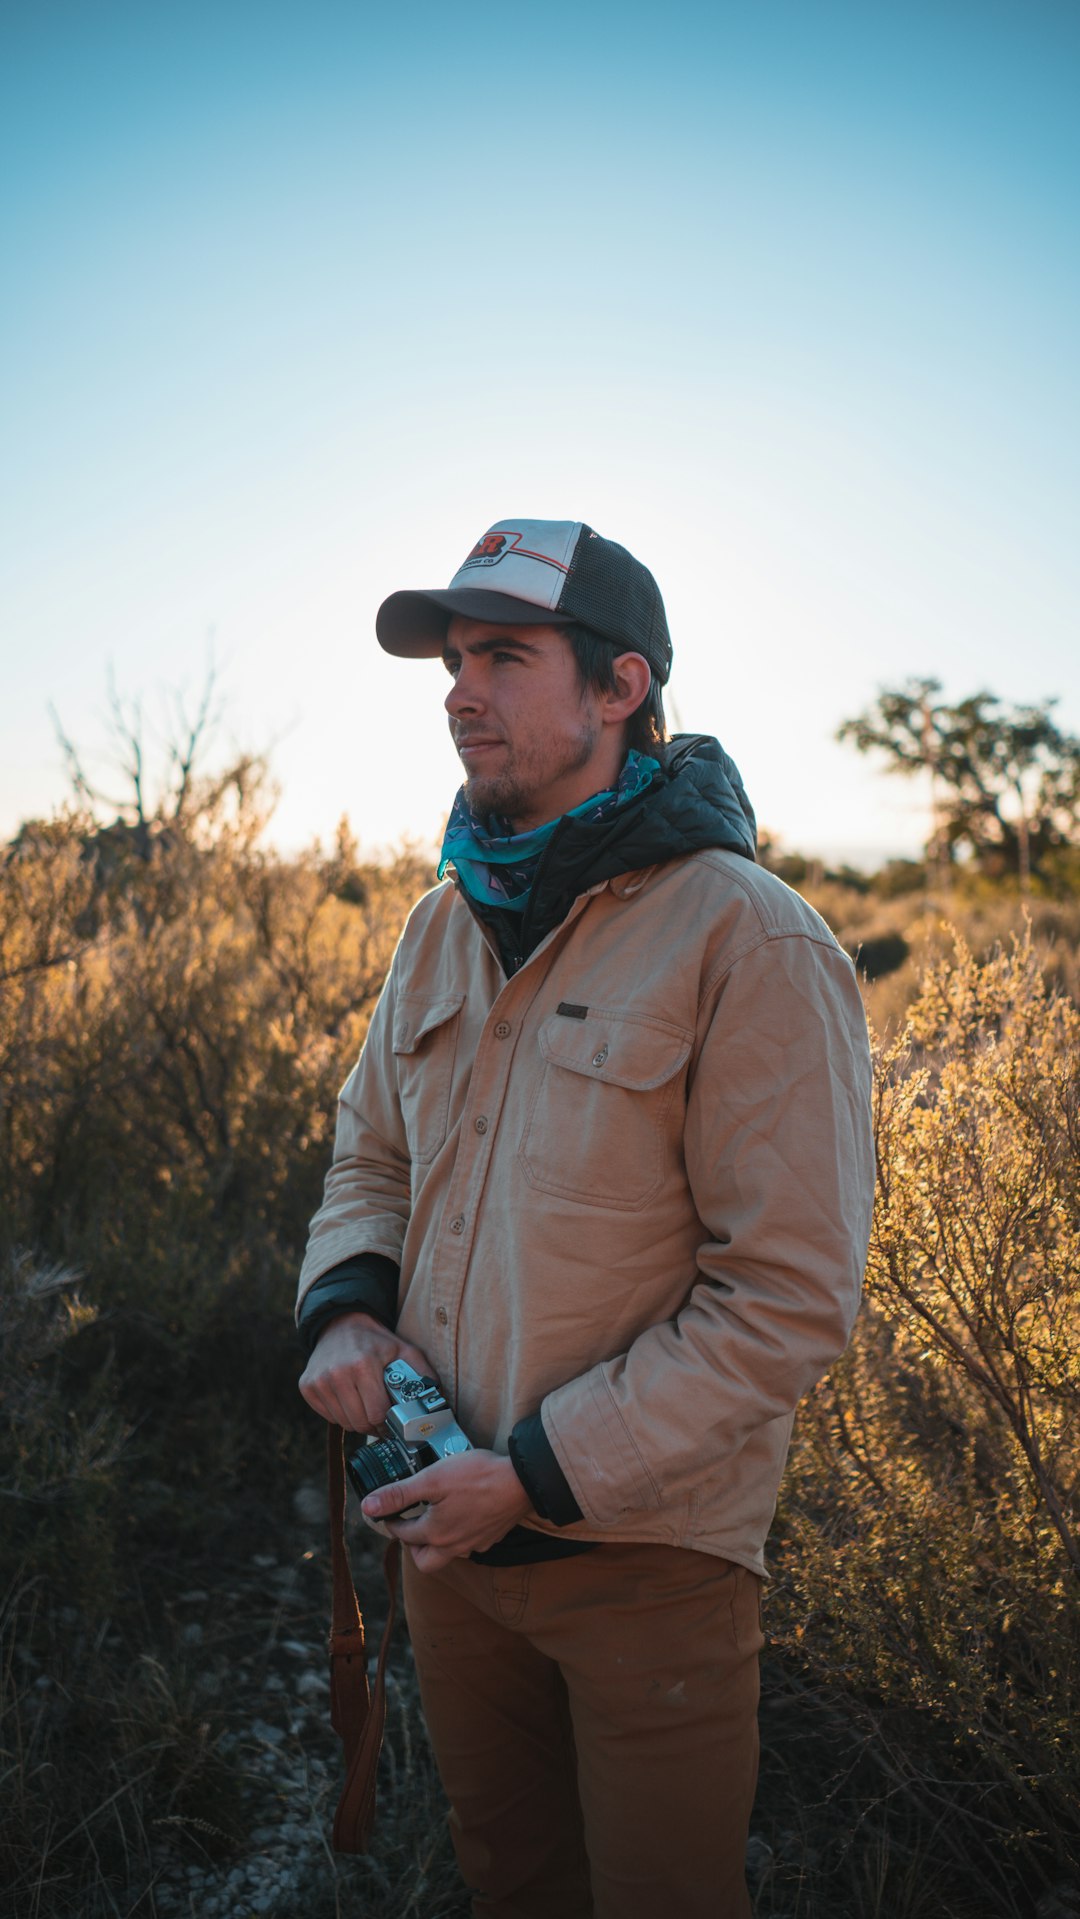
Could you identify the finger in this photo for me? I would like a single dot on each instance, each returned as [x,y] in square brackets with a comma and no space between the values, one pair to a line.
[347,1397]
[362,1402]
[389,1501]
[323,1402]
[315,1396]
[431,1559]
[419,1361]
[403,1526]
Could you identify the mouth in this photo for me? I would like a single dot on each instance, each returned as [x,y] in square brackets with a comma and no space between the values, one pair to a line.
[472,749]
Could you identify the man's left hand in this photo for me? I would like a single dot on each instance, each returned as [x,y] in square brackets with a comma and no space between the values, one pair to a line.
[472,1499]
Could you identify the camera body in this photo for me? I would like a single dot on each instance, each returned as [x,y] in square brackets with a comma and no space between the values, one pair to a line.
[419,1429]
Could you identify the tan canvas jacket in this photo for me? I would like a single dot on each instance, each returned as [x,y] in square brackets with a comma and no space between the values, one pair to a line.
[629,1186]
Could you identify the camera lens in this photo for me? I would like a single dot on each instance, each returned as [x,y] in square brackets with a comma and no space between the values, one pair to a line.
[379,1464]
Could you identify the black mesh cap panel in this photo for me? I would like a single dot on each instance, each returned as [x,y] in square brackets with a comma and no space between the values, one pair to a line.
[607,589]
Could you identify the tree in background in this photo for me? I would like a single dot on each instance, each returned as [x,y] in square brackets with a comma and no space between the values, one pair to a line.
[1005,780]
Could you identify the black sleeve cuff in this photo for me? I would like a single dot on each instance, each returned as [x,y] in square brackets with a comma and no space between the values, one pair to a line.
[366,1283]
[540,1473]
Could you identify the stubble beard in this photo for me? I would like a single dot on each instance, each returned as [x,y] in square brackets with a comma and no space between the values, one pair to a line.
[516,793]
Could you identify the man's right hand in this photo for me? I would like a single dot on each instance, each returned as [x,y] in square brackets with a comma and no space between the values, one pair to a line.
[343,1379]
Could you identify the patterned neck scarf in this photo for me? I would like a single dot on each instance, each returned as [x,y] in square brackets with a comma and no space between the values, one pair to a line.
[497,866]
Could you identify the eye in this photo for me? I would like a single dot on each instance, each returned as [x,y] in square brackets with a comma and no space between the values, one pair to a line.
[452,663]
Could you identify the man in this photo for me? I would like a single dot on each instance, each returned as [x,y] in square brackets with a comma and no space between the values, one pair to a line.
[604,1168]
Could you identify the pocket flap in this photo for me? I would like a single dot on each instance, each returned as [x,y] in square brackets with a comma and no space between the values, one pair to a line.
[416,1015]
[622,1049]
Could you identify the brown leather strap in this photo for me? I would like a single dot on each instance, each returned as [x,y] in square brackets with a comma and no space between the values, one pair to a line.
[357,1712]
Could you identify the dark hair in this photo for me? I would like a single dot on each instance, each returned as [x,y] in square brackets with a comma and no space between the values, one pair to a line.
[595,657]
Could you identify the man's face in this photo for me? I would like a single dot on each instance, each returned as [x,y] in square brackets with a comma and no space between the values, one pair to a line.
[530,738]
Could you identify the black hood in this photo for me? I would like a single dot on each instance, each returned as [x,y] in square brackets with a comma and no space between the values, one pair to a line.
[697,800]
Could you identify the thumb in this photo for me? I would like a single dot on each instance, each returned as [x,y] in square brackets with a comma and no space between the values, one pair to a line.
[421,1488]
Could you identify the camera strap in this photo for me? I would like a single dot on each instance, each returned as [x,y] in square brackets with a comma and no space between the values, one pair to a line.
[357,1710]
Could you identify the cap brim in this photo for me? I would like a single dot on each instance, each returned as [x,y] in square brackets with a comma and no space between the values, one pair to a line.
[413,625]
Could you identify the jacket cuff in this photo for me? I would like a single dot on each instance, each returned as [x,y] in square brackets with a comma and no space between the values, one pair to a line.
[366,1283]
[540,1473]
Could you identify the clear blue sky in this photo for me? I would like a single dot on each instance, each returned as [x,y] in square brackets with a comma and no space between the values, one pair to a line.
[783,295]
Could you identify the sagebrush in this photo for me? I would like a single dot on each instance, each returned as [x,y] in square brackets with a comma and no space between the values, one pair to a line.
[178,1006]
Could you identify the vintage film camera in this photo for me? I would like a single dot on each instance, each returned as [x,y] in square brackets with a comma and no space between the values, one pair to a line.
[418,1430]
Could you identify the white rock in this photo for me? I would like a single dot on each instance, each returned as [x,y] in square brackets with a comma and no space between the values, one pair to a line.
[269,1735]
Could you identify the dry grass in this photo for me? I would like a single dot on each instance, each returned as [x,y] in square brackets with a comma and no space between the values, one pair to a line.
[171,1040]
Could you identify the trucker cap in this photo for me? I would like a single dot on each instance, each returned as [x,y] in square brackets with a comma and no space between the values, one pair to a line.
[537,573]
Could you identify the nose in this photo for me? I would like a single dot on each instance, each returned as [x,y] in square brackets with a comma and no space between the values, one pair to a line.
[464,695]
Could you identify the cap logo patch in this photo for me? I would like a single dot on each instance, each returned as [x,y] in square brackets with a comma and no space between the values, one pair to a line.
[502,546]
[487,550]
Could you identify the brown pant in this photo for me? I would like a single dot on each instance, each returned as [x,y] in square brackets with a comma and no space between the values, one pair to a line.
[594,1721]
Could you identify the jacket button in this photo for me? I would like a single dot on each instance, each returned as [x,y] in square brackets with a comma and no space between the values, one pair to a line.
[458,1225]
[481,1124]
[441,1315]
[599,1058]
[502,1030]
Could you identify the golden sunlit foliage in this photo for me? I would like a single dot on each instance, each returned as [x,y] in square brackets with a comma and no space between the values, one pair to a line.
[178,1007]
[175,1019]
[177,1010]
[932,1552]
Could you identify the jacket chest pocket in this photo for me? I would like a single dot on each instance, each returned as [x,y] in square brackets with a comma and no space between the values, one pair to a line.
[598,1126]
[425,1046]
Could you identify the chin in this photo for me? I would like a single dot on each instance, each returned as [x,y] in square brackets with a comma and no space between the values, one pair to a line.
[487,796]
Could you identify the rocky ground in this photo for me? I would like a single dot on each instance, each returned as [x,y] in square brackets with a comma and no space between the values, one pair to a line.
[258,1642]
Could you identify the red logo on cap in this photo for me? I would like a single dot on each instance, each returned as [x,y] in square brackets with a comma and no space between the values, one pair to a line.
[489,548]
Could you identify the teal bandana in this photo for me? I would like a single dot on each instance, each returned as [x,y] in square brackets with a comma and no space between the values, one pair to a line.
[497,866]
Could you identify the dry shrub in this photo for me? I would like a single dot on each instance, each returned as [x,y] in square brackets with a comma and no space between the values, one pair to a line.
[176,1015]
[930,1558]
[58,1459]
[177,1010]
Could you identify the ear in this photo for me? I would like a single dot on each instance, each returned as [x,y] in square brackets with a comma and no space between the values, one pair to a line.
[633,676]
